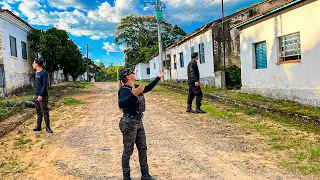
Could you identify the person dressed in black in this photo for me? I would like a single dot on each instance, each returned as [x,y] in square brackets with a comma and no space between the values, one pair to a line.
[41,95]
[194,85]
[132,103]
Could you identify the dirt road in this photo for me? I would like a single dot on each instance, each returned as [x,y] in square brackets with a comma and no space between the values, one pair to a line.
[87,144]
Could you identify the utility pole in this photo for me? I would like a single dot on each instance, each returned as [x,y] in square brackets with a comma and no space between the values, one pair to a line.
[223,39]
[159,17]
[87,47]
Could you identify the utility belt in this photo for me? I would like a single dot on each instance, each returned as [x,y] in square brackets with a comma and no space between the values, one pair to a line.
[133,116]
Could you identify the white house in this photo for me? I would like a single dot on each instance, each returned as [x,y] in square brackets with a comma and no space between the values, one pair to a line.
[15,54]
[142,71]
[280,52]
[177,57]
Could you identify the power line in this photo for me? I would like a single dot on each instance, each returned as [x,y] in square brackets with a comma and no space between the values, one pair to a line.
[192,10]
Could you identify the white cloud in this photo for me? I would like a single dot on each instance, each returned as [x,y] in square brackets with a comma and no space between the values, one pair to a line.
[98,60]
[177,7]
[98,23]
[64,4]
[110,47]
[123,48]
[6,4]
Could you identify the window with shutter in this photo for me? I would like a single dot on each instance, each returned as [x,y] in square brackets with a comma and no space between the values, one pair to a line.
[261,55]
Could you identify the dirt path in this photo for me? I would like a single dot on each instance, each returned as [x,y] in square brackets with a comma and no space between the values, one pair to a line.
[87,144]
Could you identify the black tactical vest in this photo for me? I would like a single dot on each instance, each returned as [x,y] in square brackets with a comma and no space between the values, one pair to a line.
[141,103]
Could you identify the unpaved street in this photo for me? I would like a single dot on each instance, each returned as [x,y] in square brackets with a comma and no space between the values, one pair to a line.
[87,144]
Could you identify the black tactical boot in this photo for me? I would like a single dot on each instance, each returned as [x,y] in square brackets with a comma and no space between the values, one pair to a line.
[145,174]
[198,110]
[48,129]
[39,121]
[126,175]
[189,109]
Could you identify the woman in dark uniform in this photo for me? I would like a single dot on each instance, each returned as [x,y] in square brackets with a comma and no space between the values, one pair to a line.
[132,103]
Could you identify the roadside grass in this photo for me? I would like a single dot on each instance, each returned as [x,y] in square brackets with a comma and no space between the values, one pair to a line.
[70,101]
[11,150]
[293,144]
[281,105]
[79,84]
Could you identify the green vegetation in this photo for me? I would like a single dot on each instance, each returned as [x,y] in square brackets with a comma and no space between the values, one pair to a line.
[72,101]
[279,105]
[294,145]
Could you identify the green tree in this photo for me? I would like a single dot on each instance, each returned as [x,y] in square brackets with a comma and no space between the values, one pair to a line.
[140,32]
[52,48]
[34,36]
[111,72]
[72,61]
[82,68]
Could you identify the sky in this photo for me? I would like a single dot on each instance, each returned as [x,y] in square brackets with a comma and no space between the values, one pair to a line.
[93,22]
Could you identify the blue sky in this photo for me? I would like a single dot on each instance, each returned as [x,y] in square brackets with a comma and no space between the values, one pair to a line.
[93,21]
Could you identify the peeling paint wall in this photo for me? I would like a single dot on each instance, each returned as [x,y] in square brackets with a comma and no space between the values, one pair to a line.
[18,72]
[232,36]
[141,71]
[299,81]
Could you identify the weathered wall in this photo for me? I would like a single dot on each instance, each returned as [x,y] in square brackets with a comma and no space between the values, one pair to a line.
[18,72]
[298,81]
[58,77]
[2,80]
[232,36]
[141,71]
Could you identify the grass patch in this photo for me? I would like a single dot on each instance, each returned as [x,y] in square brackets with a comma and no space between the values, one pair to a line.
[72,101]
[284,106]
[79,84]
[2,164]
[7,104]
[21,142]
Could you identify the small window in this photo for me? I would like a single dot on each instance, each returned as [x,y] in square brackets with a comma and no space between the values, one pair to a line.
[201,53]
[175,61]
[261,55]
[148,71]
[24,50]
[289,47]
[181,60]
[13,46]
[154,66]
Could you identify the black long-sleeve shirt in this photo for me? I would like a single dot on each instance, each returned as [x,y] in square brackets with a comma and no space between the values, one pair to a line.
[129,102]
[41,83]
[193,72]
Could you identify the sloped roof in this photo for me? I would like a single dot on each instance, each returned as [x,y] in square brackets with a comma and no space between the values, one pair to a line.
[268,12]
[17,17]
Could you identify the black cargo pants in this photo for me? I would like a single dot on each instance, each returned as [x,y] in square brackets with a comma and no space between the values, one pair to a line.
[133,133]
[42,110]
[195,91]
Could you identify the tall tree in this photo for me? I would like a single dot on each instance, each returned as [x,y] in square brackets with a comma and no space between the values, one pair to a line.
[34,36]
[72,61]
[140,32]
[52,48]
[80,70]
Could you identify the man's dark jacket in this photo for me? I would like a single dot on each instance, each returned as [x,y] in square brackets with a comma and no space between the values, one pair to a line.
[193,72]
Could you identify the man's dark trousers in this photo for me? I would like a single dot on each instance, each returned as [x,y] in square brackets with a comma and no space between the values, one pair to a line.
[42,111]
[133,133]
[194,91]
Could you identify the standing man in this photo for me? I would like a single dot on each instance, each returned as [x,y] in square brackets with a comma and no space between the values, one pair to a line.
[41,95]
[194,85]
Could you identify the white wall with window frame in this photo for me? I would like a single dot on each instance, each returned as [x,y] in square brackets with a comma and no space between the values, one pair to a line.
[292,53]
[17,65]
